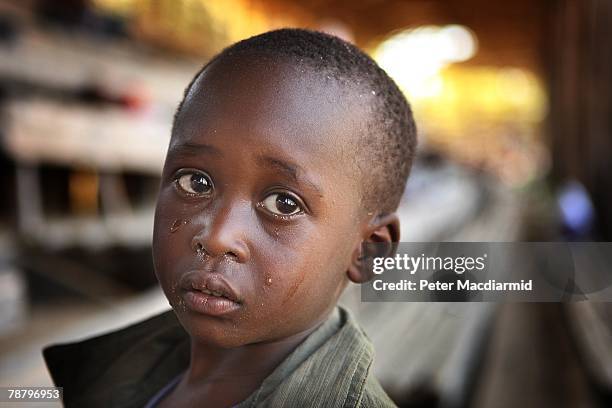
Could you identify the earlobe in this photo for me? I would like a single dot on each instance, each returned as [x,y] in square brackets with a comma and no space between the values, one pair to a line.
[356,272]
[383,233]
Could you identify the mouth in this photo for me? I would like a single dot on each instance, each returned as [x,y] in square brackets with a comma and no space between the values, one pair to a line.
[209,293]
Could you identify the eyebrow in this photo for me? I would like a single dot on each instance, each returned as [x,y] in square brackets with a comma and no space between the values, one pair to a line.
[292,171]
[193,149]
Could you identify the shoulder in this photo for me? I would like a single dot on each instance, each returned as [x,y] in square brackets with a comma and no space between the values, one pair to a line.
[332,368]
[96,352]
[373,395]
[368,390]
[126,361]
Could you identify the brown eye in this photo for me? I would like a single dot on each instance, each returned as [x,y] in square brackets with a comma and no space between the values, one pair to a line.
[282,204]
[195,183]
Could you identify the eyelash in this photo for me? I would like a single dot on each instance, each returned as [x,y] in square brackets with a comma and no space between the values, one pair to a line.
[260,205]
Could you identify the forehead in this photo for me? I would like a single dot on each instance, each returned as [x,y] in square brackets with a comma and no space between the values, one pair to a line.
[267,102]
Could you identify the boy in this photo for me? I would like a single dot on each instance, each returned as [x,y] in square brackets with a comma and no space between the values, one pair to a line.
[289,150]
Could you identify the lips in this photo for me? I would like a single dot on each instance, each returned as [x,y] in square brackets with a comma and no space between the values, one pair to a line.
[211,284]
[209,293]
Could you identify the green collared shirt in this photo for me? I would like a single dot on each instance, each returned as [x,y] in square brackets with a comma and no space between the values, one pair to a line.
[125,368]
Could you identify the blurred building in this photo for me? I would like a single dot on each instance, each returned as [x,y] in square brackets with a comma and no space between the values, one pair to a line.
[513,106]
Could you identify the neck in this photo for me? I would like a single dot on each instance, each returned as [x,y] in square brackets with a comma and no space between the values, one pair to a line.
[210,363]
[231,375]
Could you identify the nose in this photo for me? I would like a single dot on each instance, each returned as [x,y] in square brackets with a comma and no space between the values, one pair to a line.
[223,233]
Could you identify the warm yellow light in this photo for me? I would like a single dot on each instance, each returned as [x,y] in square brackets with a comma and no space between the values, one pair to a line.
[415,57]
[200,27]
[483,115]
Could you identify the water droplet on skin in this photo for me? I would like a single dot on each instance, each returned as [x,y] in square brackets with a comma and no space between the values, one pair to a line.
[373,92]
[177,224]
[267,280]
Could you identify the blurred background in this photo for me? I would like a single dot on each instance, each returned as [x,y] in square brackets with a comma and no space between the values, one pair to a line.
[513,102]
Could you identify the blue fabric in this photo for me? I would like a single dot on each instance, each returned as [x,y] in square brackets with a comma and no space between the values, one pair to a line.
[161,394]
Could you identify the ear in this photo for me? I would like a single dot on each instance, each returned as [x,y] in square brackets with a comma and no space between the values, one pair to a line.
[383,230]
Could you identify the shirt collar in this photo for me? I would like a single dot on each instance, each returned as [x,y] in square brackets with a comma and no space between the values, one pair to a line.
[125,368]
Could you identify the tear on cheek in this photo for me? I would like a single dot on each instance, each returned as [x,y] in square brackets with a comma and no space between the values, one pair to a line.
[294,287]
[177,224]
[267,280]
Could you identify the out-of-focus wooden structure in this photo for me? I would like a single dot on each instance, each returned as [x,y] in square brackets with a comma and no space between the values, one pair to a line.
[508,33]
[579,67]
[566,42]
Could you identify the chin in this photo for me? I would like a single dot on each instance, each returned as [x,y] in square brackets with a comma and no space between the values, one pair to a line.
[212,331]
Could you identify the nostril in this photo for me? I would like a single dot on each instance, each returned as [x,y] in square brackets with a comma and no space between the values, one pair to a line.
[206,247]
[231,254]
[201,252]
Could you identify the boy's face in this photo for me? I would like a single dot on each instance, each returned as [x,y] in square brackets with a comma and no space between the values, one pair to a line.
[259,202]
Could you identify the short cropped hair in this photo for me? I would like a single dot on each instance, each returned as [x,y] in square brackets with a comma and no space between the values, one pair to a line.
[385,154]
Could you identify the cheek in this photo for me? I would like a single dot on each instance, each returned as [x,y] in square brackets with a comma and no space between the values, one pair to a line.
[302,279]
[161,229]
[170,239]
